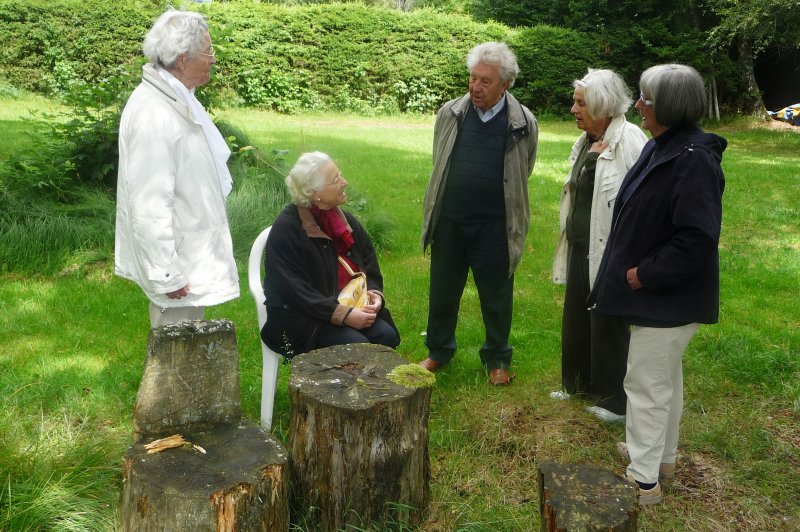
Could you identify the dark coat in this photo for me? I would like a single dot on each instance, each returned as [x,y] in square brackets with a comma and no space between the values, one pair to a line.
[667,224]
[301,283]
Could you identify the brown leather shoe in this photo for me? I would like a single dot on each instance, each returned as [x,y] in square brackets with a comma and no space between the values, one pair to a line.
[430,364]
[501,377]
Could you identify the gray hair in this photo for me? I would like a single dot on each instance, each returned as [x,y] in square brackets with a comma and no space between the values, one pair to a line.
[605,93]
[495,53]
[678,93]
[174,33]
[305,177]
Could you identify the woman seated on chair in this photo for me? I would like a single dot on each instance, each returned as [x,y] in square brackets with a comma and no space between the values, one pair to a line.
[304,273]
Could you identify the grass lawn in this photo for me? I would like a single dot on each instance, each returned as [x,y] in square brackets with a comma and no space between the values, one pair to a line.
[72,348]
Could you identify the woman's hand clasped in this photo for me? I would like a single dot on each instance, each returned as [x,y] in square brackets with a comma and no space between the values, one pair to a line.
[360,318]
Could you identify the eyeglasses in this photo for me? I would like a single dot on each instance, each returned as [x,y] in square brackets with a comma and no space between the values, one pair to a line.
[336,182]
[644,100]
[210,53]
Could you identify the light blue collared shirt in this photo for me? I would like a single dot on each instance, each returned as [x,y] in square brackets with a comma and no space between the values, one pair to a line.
[487,115]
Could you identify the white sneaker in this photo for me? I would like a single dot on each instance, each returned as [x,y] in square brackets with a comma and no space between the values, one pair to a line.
[605,415]
[647,497]
[666,471]
[559,395]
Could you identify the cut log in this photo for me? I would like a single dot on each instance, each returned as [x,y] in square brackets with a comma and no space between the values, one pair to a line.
[358,442]
[240,483]
[191,376]
[228,475]
[585,497]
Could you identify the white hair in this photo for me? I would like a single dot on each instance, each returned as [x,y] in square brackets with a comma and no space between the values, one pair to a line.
[306,176]
[174,33]
[605,93]
[495,53]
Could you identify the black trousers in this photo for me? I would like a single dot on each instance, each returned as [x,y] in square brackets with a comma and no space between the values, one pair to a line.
[594,347]
[379,332]
[455,249]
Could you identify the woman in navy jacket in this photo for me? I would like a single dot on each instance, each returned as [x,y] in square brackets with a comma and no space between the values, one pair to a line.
[303,274]
[660,270]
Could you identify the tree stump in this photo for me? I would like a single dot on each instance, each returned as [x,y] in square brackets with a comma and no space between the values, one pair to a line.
[238,484]
[232,475]
[585,497]
[358,442]
[191,377]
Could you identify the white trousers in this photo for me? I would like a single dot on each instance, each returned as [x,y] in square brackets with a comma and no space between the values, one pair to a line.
[654,385]
[160,316]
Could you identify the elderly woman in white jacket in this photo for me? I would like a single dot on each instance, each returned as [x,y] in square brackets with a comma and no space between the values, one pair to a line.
[172,234]
[594,348]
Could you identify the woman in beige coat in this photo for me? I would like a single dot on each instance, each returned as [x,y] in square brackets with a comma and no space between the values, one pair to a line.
[593,348]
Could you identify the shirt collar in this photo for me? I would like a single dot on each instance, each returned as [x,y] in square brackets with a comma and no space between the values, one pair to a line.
[487,115]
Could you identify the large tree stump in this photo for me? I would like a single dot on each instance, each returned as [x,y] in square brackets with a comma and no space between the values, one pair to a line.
[239,484]
[232,475]
[585,497]
[358,442]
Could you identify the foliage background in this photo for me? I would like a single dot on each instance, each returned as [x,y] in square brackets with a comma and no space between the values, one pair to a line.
[355,57]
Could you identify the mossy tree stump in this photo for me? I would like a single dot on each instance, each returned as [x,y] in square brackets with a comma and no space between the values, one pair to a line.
[585,497]
[232,475]
[358,442]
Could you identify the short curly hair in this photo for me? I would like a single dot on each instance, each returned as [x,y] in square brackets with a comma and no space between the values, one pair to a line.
[306,176]
[495,53]
[174,33]
[605,93]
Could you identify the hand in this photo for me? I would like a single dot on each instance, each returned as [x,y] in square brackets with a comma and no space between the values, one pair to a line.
[599,146]
[179,293]
[633,278]
[358,319]
[375,303]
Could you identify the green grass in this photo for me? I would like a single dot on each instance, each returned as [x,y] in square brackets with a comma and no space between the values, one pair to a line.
[72,348]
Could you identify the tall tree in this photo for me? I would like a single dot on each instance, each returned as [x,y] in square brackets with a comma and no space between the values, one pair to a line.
[752,26]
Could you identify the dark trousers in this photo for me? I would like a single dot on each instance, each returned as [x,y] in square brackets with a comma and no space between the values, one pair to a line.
[594,347]
[379,332]
[455,249]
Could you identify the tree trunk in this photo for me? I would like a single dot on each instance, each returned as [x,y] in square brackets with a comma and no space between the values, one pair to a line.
[239,483]
[232,475]
[191,376]
[585,497]
[357,441]
[757,106]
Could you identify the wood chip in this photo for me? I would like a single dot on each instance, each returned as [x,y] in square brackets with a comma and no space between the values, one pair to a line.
[170,442]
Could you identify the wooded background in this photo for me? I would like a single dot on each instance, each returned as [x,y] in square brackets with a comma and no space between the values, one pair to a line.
[384,56]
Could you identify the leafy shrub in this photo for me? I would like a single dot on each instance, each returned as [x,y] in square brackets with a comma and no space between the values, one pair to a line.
[73,38]
[276,90]
[80,145]
[415,96]
[549,60]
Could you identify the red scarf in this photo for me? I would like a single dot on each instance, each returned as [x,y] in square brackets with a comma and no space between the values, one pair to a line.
[335,226]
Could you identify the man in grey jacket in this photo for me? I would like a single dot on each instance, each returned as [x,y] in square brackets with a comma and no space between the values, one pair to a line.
[476,212]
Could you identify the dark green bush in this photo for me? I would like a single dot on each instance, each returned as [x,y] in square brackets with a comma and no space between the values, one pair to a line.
[48,44]
[550,59]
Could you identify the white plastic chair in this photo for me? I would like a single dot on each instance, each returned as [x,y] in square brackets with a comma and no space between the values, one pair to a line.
[270,359]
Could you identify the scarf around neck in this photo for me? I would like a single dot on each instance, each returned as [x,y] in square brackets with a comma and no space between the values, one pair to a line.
[335,226]
[219,148]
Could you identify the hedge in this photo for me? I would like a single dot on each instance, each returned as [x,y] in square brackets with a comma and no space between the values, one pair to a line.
[339,56]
